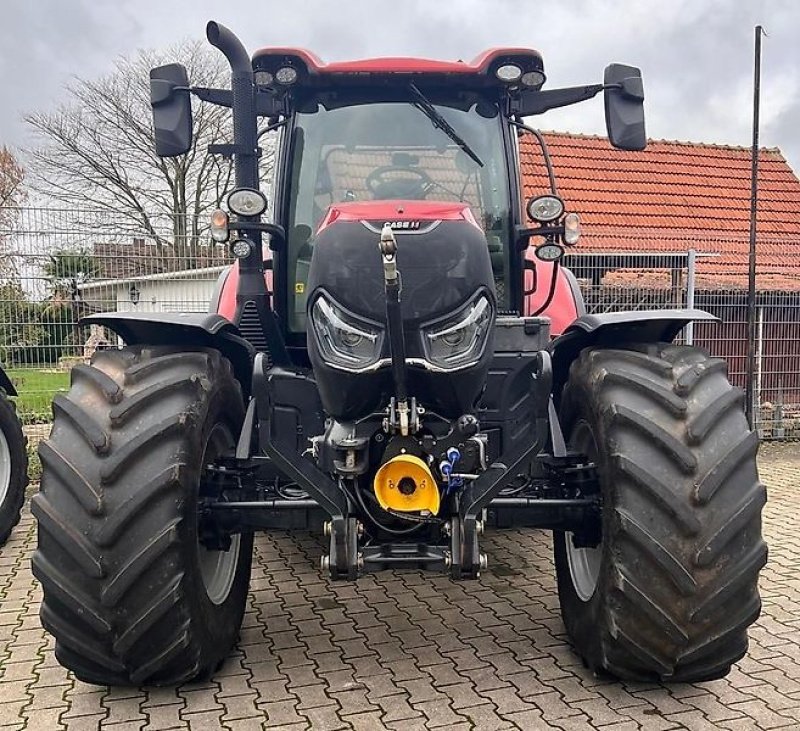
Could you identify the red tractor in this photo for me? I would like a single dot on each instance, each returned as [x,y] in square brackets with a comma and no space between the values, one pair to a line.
[398,360]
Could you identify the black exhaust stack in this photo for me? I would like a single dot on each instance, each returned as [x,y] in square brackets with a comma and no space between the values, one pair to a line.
[252,297]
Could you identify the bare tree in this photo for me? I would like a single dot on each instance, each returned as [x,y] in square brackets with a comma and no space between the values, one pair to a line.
[12,196]
[97,152]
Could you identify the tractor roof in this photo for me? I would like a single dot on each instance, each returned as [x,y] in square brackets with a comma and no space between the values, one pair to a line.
[480,72]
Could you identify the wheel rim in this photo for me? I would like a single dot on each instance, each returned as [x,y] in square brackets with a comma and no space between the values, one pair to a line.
[584,567]
[5,467]
[584,563]
[218,568]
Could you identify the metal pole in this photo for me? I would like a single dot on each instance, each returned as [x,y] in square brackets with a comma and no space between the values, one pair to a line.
[691,260]
[751,274]
[759,365]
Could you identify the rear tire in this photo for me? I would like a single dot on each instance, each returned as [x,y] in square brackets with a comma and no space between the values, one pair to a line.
[129,594]
[671,590]
[13,467]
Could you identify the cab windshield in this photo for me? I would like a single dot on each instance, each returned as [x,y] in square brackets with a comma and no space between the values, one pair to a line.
[393,151]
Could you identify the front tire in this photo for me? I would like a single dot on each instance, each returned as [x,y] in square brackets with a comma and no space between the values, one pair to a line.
[130,595]
[13,467]
[671,589]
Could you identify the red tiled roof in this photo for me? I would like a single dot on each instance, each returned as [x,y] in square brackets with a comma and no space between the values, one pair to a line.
[674,196]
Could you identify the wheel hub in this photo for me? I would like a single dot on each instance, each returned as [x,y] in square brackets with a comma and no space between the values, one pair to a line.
[217,567]
[584,561]
[584,567]
[5,467]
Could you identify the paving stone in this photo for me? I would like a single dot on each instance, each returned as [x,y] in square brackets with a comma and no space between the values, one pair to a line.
[165,716]
[412,651]
[87,723]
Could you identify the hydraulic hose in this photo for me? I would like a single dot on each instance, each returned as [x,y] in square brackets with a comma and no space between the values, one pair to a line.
[551,293]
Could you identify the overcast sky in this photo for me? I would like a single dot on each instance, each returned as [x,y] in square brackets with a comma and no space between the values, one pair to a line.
[696,55]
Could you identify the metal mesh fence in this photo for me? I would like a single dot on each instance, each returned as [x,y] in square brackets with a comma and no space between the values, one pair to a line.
[58,265]
[715,280]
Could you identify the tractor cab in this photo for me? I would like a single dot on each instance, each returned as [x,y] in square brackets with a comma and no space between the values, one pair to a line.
[393,138]
[388,159]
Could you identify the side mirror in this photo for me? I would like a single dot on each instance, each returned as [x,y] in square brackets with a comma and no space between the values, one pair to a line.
[172,110]
[624,104]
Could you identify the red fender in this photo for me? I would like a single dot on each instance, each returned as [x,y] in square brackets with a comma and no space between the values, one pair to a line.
[564,308]
[226,302]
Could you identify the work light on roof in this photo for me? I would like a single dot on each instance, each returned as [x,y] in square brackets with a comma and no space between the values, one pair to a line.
[263,78]
[532,79]
[508,73]
[247,202]
[286,75]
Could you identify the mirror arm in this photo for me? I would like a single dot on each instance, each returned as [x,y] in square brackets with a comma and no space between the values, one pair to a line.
[525,234]
[529,103]
[220,97]
[537,102]
[266,104]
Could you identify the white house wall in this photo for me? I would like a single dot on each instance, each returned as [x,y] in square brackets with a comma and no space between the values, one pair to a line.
[187,295]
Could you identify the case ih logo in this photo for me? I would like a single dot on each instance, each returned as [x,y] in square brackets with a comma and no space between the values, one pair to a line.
[403,225]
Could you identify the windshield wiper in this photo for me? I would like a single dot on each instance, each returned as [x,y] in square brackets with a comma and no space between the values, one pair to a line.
[424,105]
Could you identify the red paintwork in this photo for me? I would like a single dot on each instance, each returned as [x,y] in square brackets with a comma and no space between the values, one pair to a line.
[398,65]
[227,298]
[388,210]
[563,310]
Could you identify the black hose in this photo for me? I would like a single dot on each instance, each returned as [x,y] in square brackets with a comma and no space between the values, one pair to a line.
[392,531]
[551,293]
[548,163]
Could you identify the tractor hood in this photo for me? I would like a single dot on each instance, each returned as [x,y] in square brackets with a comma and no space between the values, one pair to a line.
[446,273]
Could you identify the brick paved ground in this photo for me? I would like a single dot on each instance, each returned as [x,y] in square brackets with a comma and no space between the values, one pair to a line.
[381,653]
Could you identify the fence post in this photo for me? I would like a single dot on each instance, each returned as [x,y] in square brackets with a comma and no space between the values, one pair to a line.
[751,268]
[759,368]
[691,260]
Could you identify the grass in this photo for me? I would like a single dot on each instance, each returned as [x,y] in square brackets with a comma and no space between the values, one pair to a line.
[36,388]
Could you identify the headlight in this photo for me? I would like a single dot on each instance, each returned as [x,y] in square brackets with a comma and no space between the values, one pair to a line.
[549,251]
[247,202]
[459,341]
[241,248]
[344,341]
[545,208]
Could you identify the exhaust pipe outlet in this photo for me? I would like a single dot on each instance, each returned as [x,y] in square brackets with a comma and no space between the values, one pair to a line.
[226,41]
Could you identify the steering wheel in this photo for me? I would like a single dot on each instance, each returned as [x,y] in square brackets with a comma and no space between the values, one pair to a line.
[384,183]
